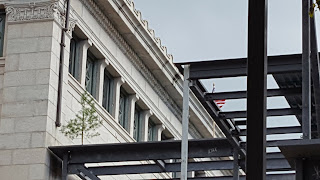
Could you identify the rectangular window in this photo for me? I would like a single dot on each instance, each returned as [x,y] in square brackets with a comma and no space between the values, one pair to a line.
[137,123]
[107,91]
[2,27]
[90,74]
[151,131]
[123,108]
[74,57]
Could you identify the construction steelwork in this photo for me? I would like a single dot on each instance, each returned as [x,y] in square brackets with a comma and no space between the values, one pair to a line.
[297,76]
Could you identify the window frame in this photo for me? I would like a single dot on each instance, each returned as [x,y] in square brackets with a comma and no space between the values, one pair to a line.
[123,108]
[91,75]
[137,118]
[2,31]
[108,85]
[74,57]
[151,130]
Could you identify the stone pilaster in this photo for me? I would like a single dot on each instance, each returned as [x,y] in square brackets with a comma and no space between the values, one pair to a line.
[116,97]
[145,115]
[158,131]
[131,110]
[101,65]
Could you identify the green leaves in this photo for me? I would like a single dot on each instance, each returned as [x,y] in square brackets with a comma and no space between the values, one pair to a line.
[86,121]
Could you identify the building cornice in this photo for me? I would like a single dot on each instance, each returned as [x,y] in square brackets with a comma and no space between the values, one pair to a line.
[107,25]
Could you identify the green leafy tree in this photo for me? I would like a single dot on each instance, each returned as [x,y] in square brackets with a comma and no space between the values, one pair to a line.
[86,121]
[314,7]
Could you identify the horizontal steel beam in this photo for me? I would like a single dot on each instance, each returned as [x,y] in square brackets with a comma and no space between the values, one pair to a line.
[272,165]
[275,155]
[287,176]
[278,130]
[212,109]
[274,142]
[270,112]
[162,150]
[243,94]
[238,67]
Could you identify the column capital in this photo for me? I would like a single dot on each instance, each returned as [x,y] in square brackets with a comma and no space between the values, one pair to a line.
[119,81]
[35,11]
[133,98]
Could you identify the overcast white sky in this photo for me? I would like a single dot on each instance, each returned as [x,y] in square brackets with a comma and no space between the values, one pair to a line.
[217,29]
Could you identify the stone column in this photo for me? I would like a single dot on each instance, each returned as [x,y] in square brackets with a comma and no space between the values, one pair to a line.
[158,131]
[83,49]
[132,102]
[102,64]
[144,124]
[116,97]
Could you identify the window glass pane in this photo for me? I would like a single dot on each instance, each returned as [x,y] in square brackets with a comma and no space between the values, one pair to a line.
[151,128]
[89,75]
[72,57]
[2,26]
[74,60]
[123,108]
[137,123]
[107,91]
[90,82]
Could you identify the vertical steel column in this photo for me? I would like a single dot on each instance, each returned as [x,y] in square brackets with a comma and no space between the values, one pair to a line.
[299,169]
[65,167]
[185,124]
[306,73]
[315,71]
[256,90]
[235,164]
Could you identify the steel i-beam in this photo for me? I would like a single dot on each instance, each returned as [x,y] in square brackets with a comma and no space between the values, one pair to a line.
[315,71]
[306,73]
[257,90]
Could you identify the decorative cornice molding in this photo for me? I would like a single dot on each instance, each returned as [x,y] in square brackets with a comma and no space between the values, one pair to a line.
[151,32]
[137,62]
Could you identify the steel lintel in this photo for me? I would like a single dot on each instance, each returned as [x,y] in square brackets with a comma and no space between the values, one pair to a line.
[270,112]
[238,67]
[278,130]
[272,165]
[243,94]
[219,147]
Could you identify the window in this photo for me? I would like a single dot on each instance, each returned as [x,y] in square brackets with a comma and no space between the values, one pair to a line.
[90,74]
[2,26]
[151,129]
[107,91]
[123,108]
[137,123]
[74,57]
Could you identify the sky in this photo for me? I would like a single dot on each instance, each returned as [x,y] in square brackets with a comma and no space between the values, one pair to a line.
[197,30]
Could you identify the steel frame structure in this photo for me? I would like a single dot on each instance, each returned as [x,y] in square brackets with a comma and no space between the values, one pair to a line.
[249,156]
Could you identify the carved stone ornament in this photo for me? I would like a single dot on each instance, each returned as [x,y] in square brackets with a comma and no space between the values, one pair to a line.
[34,11]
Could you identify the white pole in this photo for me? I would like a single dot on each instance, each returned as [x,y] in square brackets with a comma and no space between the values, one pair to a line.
[185,125]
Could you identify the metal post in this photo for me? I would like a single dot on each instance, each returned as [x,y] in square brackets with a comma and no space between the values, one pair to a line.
[315,65]
[235,164]
[185,124]
[64,167]
[256,90]
[306,73]
[299,169]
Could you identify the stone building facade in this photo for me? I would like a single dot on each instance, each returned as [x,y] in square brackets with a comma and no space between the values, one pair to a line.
[109,52]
